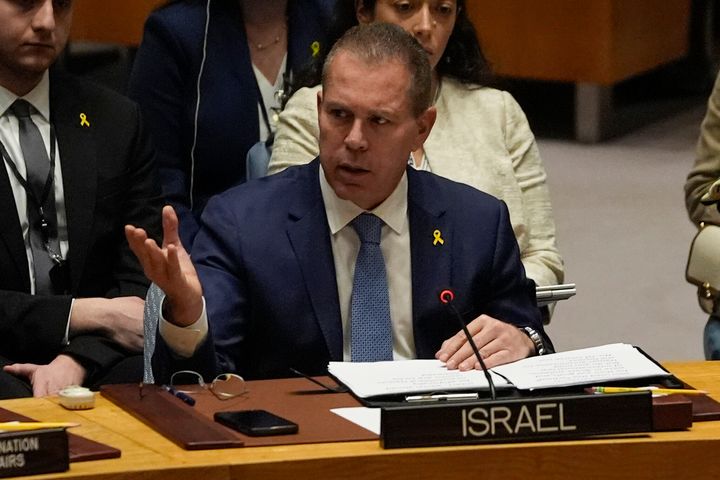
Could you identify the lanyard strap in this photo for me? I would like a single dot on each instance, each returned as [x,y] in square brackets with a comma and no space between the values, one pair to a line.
[24,183]
[45,227]
[261,104]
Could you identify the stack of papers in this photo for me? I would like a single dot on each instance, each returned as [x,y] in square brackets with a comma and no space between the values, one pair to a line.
[376,379]
[595,365]
[588,366]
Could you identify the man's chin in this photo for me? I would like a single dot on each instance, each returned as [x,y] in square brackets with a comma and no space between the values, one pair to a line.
[37,65]
[36,59]
[359,196]
[346,191]
[22,78]
[351,193]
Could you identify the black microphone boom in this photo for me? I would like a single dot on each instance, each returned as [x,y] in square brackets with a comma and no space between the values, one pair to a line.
[446,297]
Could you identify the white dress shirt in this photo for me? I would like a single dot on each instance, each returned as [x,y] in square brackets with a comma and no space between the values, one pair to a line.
[270,98]
[395,247]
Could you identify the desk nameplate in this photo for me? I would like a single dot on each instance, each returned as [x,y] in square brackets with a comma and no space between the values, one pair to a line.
[33,451]
[81,449]
[516,420]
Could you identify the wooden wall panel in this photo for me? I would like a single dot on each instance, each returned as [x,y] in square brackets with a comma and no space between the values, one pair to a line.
[111,21]
[595,41]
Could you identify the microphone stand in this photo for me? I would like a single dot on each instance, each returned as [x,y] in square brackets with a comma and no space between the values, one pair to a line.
[447,297]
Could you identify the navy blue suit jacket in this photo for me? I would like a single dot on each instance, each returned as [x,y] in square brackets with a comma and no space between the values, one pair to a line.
[164,83]
[266,265]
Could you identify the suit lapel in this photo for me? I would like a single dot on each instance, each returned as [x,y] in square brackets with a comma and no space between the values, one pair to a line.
[431,244]
[78,160]
[11,233]
[314,256]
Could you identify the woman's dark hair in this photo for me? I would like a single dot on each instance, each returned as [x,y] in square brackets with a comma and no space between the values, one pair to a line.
[463,58]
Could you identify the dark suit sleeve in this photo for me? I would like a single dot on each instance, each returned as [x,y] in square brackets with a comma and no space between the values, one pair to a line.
[161,82]
[32,320]
[165,362]
[512,294]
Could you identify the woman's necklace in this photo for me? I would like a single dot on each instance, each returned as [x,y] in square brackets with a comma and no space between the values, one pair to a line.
[264,46]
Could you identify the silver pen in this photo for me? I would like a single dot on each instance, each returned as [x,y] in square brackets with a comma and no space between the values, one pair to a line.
[441,397]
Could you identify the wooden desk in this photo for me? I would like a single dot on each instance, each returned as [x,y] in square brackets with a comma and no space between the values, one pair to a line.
[147,455]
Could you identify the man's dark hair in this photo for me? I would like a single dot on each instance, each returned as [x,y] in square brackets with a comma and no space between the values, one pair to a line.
[380,43]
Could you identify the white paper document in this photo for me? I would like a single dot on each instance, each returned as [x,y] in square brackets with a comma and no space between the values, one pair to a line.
[368,418]
[374,379]
[594,365]
[587,366]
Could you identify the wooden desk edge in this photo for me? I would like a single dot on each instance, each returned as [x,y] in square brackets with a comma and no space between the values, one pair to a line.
[145,453]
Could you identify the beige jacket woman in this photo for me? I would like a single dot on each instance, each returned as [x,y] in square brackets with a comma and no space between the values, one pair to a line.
[707,164]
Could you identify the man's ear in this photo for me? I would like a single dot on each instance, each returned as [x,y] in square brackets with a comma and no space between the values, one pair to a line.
[425,122]
[363,14]
[319,105]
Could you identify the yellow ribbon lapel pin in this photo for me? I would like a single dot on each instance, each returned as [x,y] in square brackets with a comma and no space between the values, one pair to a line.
[84,122]
[437,238]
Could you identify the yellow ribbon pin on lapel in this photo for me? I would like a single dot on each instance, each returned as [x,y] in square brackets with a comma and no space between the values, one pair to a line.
[84,121]
[437,235]
[315,47]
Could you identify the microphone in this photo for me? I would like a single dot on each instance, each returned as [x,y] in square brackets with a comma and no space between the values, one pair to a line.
[446,297]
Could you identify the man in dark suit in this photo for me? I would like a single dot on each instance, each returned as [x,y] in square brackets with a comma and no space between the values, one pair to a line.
[275,257]
[71,305]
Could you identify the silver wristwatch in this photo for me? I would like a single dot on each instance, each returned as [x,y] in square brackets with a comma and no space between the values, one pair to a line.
[536,339]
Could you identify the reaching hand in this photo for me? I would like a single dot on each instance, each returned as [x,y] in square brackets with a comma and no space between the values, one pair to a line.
[498,342]
[170,268]
[49,379]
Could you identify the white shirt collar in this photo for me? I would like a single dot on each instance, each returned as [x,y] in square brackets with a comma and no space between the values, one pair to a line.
[38,97]
[392,211]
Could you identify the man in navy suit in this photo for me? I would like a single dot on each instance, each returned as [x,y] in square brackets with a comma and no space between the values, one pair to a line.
[275,257]
[79,322]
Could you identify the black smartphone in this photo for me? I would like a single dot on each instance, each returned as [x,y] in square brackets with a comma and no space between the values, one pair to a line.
[256,422]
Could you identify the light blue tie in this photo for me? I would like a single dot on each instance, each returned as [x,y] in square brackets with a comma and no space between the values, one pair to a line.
[371,330]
